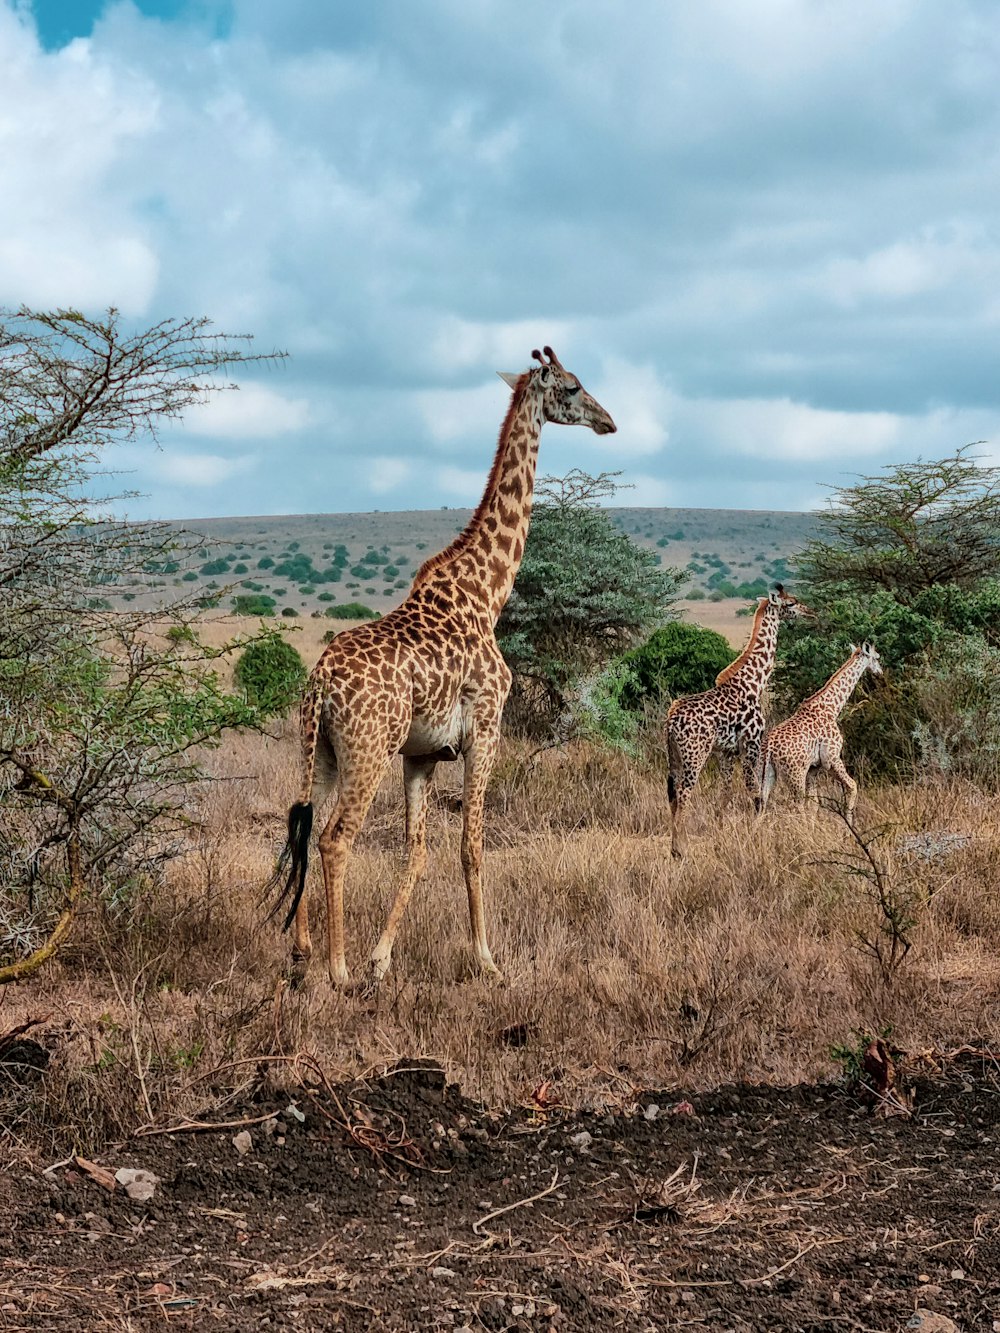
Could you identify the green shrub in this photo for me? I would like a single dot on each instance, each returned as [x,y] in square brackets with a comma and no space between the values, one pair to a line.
[289,611]
[272,674]
[253,604]
[676,659]
[190,576]
[600,712]
[215,567]
[351,611]
[265,562]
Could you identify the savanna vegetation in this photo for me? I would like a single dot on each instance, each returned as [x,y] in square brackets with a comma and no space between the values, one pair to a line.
[146,764]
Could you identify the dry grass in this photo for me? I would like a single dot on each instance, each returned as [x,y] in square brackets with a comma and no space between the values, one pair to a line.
[745,962]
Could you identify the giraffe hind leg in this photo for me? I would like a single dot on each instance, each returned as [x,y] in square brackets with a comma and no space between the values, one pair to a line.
[359,781]
[325,776]
[417,774]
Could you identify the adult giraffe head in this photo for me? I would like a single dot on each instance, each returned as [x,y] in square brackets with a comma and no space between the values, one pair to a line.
[789,607]
[564,399]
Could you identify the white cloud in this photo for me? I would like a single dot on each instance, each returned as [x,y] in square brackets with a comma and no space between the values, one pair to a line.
[507,345]
[640,404]
[461,483]
[251,411]
[766,236]
[646,492]
[781,429]
[463,414]
[197,470]
[388,474]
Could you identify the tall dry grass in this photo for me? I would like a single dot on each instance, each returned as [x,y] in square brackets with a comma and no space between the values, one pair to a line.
[747,961]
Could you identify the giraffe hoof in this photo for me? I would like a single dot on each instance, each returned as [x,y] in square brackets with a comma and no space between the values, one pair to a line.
[366,987]
[297,969]
[491,974]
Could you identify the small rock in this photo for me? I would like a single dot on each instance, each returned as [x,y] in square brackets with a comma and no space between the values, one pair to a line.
[406,1201]
[293,1110]
[139,1185]
[242,1142]
[443,1272]
[651,1111]
[957,1274]
[926,1321]
[583,1140]
[688,1297]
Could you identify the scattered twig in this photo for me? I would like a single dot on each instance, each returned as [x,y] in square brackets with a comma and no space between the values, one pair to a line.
[521,1203]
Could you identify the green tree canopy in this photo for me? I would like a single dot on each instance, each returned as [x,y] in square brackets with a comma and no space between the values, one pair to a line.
[101,713]
[585,591]
[912,528]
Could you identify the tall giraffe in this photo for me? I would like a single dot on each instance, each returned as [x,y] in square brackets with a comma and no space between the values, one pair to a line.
[729,717]
[426,681]
[811,738]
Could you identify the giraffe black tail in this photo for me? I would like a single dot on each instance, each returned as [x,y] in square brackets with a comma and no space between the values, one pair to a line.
[671,786]
[294,859]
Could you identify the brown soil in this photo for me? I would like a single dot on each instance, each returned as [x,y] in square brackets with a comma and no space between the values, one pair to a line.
[398,1204]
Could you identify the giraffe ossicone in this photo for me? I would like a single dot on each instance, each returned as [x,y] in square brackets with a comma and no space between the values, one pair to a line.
[427,681]
[810,740]
[728,718]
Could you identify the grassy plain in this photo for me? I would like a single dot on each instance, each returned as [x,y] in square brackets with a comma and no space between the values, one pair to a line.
[290,558]
[748,961]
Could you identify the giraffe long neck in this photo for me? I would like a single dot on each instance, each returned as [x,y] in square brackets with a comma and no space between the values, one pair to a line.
[754,665]
[484,558]
[841,685]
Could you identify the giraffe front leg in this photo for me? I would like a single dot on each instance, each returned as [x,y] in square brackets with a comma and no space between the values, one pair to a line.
[417,774]
[752,758]
[479,758]
[768,781]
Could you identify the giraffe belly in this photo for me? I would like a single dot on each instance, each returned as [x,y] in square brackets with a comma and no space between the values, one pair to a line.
[430,736]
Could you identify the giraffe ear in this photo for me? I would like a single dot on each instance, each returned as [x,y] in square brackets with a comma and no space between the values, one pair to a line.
[509,378]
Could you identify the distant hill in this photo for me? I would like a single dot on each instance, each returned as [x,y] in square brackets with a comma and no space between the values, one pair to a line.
[310,563]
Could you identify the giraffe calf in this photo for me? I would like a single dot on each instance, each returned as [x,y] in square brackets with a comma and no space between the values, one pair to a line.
[811,739]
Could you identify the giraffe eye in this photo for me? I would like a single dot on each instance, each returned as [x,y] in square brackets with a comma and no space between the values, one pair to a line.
[573,388]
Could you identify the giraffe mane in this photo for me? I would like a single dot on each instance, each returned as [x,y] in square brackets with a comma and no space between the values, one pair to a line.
[727,673]
[459,544]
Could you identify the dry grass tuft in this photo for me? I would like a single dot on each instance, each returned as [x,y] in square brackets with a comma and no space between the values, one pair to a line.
[747,961]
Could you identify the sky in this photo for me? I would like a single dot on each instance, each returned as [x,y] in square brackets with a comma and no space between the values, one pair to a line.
[766,236]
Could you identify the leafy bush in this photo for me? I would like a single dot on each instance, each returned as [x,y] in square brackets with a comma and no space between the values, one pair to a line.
[272,674]
[956,691]
[215,567]
[253,604]
[289,611]
[351,611]
[675,660]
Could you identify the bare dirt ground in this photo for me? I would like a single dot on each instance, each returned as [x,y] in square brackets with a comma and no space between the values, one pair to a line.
[396,1203]
[761,1195]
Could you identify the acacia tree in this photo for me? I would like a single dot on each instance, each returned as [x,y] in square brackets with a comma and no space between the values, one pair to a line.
[584,593]
[100,714]
[914,527]
[908,558]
